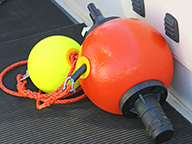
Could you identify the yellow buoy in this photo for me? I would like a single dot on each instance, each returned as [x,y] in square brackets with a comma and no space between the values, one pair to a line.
[49,64]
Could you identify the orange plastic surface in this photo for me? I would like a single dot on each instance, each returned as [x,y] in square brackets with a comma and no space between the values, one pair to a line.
[122,53]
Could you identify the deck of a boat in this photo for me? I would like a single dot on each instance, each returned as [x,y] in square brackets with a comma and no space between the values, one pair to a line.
[22,24]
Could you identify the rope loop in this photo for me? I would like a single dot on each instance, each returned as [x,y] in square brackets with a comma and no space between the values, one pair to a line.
[55,97]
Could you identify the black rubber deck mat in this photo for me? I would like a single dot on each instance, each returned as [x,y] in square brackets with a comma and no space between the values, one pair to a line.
[20,18]
[80,122]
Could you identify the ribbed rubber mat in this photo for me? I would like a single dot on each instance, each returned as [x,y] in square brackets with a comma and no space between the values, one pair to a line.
[80,122]
[20,18]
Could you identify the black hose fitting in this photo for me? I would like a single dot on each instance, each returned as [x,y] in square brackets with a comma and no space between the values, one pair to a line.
[144,100]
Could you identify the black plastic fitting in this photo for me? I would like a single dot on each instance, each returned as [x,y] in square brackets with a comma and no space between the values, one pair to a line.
[153,117]
[97,17]
[144,100]
[79,72]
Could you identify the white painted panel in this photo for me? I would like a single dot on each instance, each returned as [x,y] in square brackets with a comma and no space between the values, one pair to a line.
[181,85]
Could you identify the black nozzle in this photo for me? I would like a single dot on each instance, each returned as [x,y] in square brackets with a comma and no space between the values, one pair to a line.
[153,117]
[95,13]
[144,100]
[97,17]
[79,72]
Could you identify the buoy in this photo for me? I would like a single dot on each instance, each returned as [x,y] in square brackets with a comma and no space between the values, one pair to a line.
[49,63]
[125,67]
[122,53]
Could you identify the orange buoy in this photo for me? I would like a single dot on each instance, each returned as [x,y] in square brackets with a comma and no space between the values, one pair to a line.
[123,53]
[125,67]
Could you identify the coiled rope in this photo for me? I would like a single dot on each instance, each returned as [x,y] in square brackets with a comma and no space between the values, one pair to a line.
[55,97]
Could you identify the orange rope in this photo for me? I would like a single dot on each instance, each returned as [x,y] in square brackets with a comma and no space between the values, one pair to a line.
[55,97]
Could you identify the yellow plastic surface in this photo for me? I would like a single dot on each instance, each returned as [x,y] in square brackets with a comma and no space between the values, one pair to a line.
[83,60]
[48,62]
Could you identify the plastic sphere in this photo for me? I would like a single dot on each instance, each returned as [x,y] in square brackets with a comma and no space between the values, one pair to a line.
[48,62]
[122,53]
